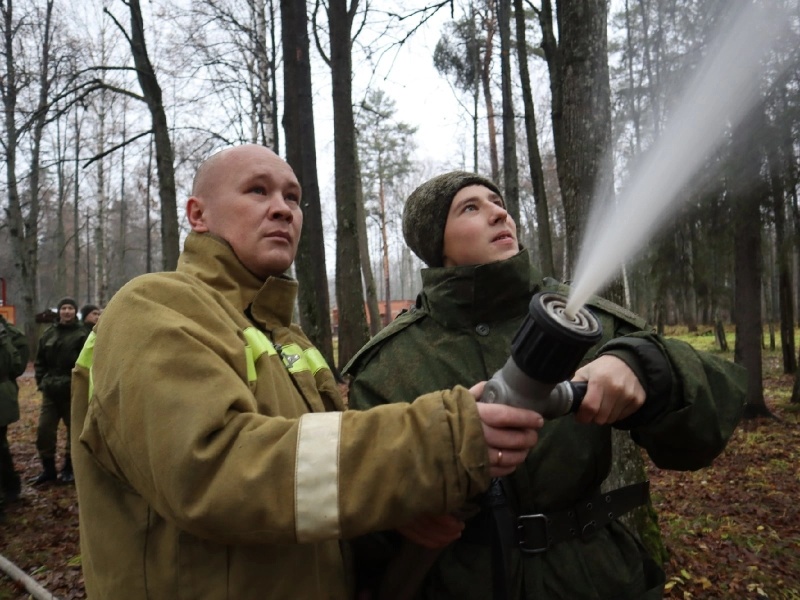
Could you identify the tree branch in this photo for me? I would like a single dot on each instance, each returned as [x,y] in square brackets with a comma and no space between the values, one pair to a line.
[117,147]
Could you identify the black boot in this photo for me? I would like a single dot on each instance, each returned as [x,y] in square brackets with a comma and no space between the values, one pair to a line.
[13,489]
[66,471]
[48,473]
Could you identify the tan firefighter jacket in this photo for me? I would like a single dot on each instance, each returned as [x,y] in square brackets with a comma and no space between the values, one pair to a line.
[211,455]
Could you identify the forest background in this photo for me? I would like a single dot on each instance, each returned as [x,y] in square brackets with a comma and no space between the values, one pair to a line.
[110,106]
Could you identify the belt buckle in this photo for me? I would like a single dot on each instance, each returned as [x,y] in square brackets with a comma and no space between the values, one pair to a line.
[522,522]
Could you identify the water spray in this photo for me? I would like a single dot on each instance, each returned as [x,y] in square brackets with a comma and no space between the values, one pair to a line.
[725,86]
[545,352]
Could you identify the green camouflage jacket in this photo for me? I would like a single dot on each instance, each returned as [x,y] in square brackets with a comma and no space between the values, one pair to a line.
[460,330]
[13,360]
[56,354]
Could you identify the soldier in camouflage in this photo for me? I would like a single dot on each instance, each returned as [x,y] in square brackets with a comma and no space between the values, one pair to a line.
[13,360]
[553,535]
[56,354]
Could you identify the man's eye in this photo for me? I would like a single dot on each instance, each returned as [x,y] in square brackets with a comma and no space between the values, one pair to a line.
[470,207]
[291,198]
[258,189]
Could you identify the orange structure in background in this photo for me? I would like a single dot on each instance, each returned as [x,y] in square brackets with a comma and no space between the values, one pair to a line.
[9,312]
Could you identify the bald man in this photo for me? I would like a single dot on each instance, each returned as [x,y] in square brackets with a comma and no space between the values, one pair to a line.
[212,455]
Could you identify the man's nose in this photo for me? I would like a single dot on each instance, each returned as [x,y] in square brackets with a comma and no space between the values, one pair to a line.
[280,209]
[499,213]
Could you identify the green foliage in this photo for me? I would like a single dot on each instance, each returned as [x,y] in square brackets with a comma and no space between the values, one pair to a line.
[457,54]
[385,146]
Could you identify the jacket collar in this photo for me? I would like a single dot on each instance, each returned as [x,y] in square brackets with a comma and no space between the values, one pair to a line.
[212,260]
[466,296]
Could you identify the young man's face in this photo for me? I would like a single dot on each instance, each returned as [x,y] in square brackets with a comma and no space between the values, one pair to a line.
[478,229]
[66,314]
[250,197]
[92,317]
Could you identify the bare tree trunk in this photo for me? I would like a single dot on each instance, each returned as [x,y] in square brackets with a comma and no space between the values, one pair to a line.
[782,250]
[61,244]
[353,332]
[629,468]
[690,296]
[476,90]
[148,224]
[387,290]
[746,206]
[266,118]
[301,153]
[510,167]
[543,233]
[76,225]
[151,90]
[586,114]
[24,227]
[99,247]
[486,82]
[273,78]
[366,266]
[121,242]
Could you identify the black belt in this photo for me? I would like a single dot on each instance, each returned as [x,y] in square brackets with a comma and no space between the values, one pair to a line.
[538,532]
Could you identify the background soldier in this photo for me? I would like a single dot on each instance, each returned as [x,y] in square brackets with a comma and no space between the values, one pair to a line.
[58,350]
[90,314]
[13,360]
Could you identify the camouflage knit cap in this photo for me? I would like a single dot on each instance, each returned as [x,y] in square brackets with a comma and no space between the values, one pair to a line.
[426,210]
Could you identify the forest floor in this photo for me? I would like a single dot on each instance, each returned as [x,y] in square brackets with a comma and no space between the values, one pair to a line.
[732,530]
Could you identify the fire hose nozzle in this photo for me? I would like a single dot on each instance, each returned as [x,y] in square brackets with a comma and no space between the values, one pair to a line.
[545,351]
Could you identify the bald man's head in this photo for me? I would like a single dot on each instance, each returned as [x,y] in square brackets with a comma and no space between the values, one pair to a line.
[250,197]
[208,172]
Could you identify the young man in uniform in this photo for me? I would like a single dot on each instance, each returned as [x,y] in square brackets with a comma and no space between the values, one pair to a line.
[560,538]
[213,459]
[13,360]
[56,354]
[90,314]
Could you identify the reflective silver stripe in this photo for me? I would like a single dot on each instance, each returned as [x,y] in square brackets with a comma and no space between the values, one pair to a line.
[317,477]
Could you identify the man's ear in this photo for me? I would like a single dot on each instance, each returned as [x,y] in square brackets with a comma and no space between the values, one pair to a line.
[195,213]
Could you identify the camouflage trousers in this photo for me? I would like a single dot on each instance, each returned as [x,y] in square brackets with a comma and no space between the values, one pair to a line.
[55,408]
[9,480]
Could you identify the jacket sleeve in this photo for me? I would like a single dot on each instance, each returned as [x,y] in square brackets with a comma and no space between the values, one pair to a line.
[697,400]
[173,419]
[20,343]
[40,363]
[13,354]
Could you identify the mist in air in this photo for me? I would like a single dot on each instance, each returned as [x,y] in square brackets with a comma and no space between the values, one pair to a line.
[724,87]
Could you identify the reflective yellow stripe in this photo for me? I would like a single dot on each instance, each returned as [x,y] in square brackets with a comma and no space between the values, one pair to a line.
[85,360]
[315,360]
[293,358]
[317,477]
[257,345]
[87,353]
